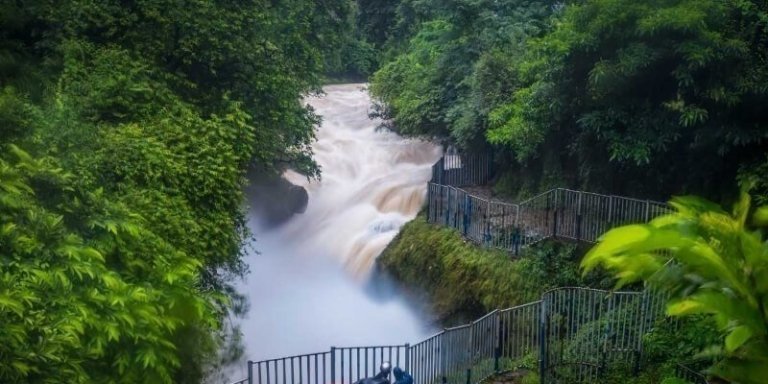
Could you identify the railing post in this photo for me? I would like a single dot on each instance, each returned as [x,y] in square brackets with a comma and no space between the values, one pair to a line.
[250,372]
[467,213]
[408,358]
[470,350]
[543,342]
[555,218]
[647,210]
[610,211]
[517,239]
[546,214]
[429,202]
[333,365]
[488,235]
[578,217]
[469,375]
[497,351]
[448,209]
[441,170]
[444,357]
[643,320]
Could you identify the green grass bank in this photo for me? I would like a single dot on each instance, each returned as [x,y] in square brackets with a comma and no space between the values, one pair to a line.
[461,281]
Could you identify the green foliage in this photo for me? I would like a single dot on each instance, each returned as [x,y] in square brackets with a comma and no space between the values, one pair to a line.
[752,176]
[450,63]
[460,279]
[121,220]
[719,268]
[679,340]
[673,380]
[464,281]
[531,378]
[588,92]
[408,84]
[644,81]
[89,293]
[353,56]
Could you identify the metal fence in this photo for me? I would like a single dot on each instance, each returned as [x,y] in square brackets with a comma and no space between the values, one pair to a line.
[588,332]
[462,169]
[558,213]
[343,365]
[575,335]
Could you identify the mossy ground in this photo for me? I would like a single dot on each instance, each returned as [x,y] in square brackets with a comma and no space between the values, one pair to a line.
[461,281]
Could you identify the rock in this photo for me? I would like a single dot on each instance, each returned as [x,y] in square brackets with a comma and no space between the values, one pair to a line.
[274,200]
[299,198]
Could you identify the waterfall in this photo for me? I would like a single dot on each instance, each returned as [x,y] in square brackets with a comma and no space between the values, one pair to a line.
[307,287]
[373,181]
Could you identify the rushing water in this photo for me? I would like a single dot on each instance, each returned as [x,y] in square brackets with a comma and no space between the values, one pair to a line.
[308,286]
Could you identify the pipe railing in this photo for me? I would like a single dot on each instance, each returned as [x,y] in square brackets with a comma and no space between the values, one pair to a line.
[573,333]
[558,213]
[460,169]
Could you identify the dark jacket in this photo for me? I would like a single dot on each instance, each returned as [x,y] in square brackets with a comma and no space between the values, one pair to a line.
[402,377]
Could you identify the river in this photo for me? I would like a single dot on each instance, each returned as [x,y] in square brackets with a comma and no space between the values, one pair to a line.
[309,286]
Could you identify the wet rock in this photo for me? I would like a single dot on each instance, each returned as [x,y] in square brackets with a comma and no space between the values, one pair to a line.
[274,200]
[299,198]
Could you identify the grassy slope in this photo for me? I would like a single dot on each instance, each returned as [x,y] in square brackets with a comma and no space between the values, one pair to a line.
[462,281]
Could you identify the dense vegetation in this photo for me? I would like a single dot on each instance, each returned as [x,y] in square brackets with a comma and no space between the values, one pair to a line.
[434,262]
[126,129]
[720,270]
[644,98]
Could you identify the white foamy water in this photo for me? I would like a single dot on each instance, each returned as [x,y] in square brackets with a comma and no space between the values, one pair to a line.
[307,286]
[372,181]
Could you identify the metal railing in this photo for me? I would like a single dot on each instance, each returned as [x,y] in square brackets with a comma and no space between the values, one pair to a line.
[461,169]
[339,365]
[314,368]
[589,331]
[575,335]
[557,213]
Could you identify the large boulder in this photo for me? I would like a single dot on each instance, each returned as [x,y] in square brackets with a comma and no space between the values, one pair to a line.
[299,198]
[274,200]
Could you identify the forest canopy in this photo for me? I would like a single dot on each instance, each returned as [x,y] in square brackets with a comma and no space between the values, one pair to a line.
[646,98]
[126,130]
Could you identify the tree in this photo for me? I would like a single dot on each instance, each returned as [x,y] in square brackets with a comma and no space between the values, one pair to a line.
[626,86]
[719,268]
[87,292]
[126,131]
[440,83]
[583,93]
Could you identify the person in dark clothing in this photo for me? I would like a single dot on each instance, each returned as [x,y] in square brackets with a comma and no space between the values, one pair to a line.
[381,378]
[402,377]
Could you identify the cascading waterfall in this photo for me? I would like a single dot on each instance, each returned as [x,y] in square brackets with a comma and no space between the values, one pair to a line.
[307,287]
[373,181]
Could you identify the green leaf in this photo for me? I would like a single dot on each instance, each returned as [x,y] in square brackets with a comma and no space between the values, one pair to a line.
[737,338]
[686,307]
[761,217]
[7,303]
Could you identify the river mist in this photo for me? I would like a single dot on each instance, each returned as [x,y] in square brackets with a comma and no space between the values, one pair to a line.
[309,286]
